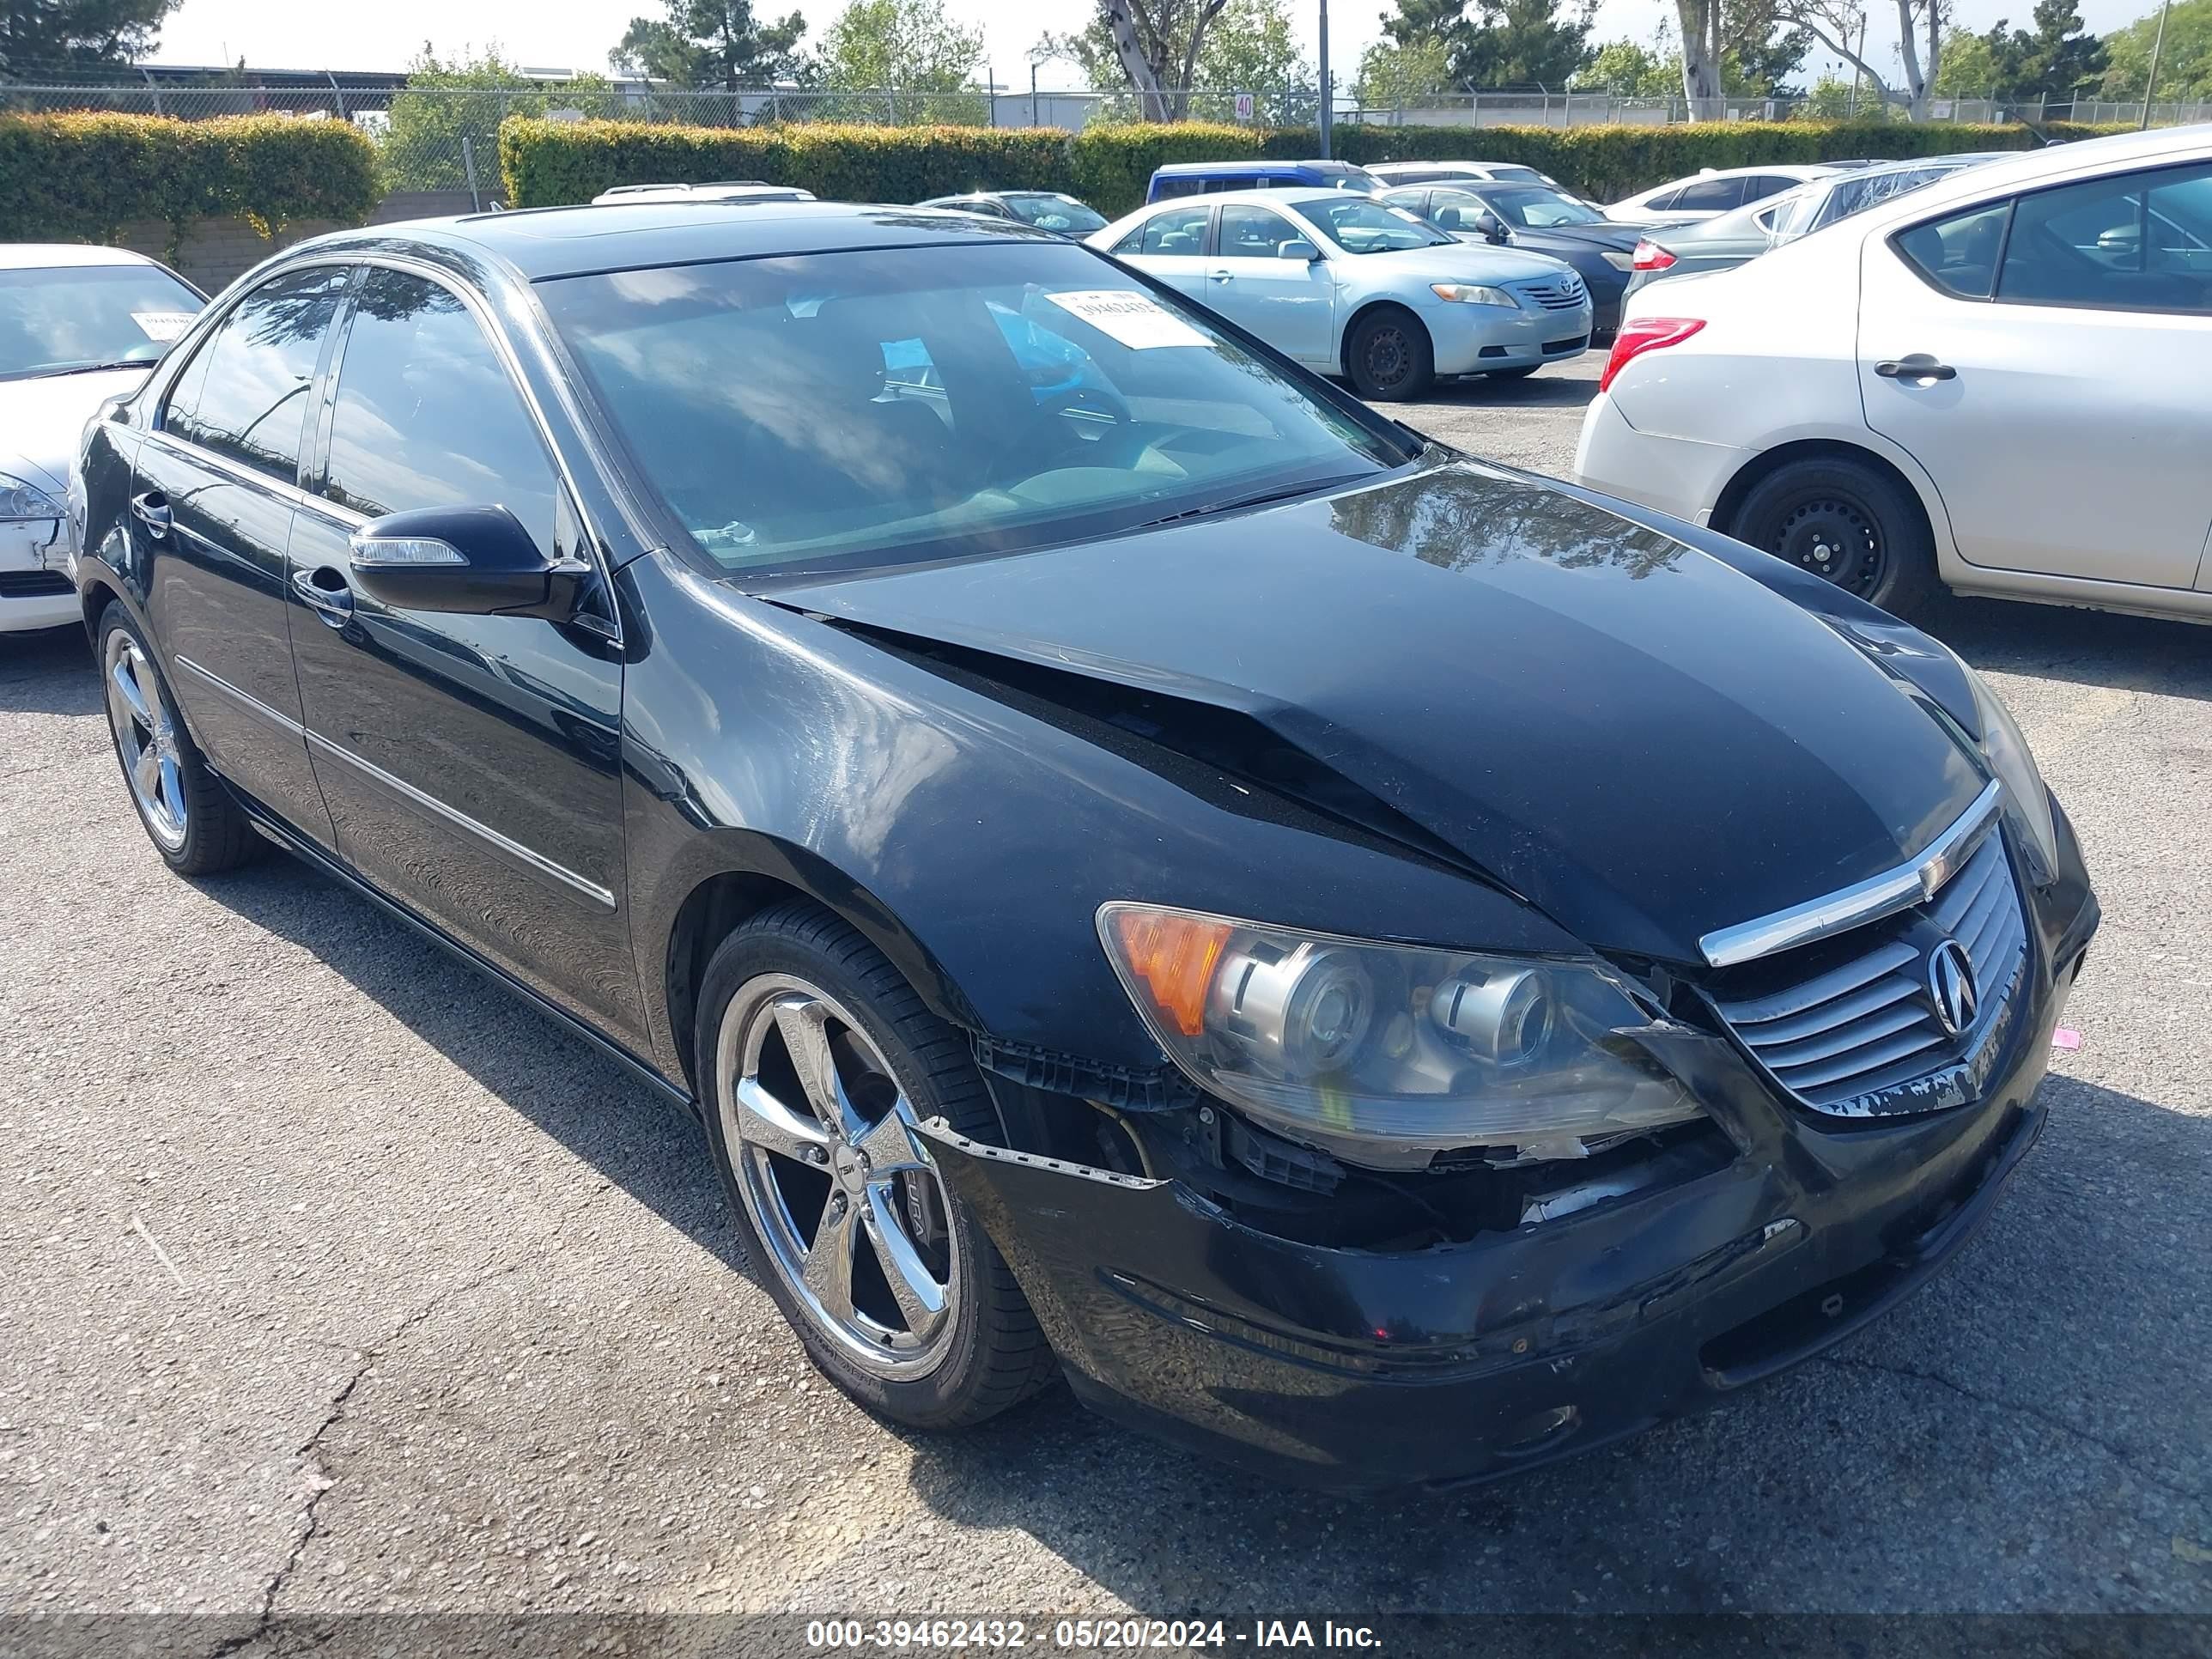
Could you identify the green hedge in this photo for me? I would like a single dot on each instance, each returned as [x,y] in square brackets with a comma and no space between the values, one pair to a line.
[81,178]
[546,163]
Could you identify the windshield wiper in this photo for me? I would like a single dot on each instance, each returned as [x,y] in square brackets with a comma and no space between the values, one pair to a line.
[1258,498]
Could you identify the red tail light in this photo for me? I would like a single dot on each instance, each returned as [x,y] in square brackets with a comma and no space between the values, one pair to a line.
[1649,256]
[1641,334]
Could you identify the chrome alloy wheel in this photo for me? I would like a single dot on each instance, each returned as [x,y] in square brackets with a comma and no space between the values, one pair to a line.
[145,730]
[838,1190]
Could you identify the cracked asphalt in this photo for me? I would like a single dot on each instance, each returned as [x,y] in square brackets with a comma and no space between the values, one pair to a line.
[334,1281]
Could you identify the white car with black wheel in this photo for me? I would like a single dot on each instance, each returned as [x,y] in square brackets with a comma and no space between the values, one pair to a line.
[1995,384]
[78,325]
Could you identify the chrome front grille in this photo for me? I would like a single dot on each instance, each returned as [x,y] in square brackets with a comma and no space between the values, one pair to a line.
[1561,293]
[1856,1028]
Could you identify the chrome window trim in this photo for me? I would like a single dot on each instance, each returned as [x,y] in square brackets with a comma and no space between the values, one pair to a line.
[1862,902]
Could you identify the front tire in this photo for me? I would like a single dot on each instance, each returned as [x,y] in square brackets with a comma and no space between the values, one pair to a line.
[192,819]
[816,1058]
[1389,358]
[1848,523]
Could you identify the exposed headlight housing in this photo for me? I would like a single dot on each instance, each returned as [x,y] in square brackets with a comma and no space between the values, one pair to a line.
[20,500]
[1474,293]
[1391,1053]
[2006,750]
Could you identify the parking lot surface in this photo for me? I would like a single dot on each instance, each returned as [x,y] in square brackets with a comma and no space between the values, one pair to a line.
[334,1280]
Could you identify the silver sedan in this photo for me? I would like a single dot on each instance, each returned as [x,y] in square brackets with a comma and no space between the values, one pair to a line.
[1351,286]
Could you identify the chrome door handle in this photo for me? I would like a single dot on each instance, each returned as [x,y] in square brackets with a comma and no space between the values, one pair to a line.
[152,510]
[1918,367]
[1220,276]
[333,606]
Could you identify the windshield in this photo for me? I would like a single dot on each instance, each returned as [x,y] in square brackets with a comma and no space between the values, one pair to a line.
[1342,175]
[73,317]
[1533,207]
[1050,212]
[1360,226]
[898,404]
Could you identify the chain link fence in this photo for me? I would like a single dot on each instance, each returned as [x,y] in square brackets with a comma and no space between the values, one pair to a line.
[447,138]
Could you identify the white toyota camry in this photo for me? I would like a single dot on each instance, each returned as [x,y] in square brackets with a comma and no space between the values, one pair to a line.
[77,326]
[1997,385]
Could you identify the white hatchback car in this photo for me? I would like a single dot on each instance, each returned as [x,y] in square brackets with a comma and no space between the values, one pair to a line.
[78,325]
[1997,384]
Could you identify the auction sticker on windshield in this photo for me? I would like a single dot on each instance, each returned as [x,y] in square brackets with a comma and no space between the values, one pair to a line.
[162,325]
[1136,320]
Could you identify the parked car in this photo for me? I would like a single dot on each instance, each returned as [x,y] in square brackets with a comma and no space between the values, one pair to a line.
[1994,384]
[1453,1013]
[1212,177]
[1048,209]
[1396,174]
[1716,191]
[78,325]
[1536,219]
[1353,286]
[726,193]
[1729,239]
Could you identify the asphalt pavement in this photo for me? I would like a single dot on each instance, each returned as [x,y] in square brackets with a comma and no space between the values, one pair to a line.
[336,1281]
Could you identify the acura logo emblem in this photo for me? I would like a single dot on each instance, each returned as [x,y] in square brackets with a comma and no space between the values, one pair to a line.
[1951,990]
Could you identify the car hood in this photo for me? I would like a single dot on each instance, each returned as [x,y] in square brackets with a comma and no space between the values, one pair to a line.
[1628,733]
[1463,262]
[41,419]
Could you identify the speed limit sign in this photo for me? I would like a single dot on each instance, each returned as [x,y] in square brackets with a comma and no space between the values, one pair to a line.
[1243,105]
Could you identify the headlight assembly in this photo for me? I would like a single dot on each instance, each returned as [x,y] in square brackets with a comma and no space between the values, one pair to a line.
[20,500]
[1474,293]
[1391,1053]
[2007,752]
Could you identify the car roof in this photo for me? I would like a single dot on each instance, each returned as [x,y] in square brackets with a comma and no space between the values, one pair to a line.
[567,241]
[50,256]
[2028,168]
[1289,195]
[1210,169]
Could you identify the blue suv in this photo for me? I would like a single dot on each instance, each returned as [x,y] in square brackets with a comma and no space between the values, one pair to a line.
[1212,177]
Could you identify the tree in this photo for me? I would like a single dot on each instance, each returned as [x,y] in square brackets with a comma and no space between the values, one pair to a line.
[2185,64]
[1970,69]
[1392,76]
[911,47]
[44,39]
[1253,46]
[1506,43]
[708,44]
[1628,69]
[1755,61]
[1841,26]
[1155,44]
[447,99]
[1743,48]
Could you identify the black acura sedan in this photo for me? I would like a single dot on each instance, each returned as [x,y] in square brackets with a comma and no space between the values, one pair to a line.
[1373,964]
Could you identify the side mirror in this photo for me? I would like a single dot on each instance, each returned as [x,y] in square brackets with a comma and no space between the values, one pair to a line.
[1489,226]
[1298,248]
[478,561]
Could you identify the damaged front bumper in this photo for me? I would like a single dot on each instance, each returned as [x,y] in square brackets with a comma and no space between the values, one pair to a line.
[1366,1369]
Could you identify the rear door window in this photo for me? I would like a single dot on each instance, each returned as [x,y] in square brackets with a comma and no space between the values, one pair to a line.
[2136,241]
[244,394]
[1760,186]
[1710,195]
[1958,253]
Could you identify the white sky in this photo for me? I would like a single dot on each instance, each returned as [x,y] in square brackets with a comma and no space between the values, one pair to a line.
[287,34]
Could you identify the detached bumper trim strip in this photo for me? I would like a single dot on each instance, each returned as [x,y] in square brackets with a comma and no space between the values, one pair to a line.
[1862,902]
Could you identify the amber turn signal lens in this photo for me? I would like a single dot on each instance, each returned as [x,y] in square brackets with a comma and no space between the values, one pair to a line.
[1174,956]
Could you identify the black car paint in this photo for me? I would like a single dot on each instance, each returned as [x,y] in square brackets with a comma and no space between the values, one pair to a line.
[964,761]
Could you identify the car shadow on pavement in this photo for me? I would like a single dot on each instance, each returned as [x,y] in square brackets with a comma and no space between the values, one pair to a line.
[1538,391]
[2023,1432]
[2086,647]
[47,672]
[635,1139]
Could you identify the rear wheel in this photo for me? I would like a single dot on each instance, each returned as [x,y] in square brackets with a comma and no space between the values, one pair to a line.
[190,818]
[1847,523]
[1389,358]
[818,1060]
